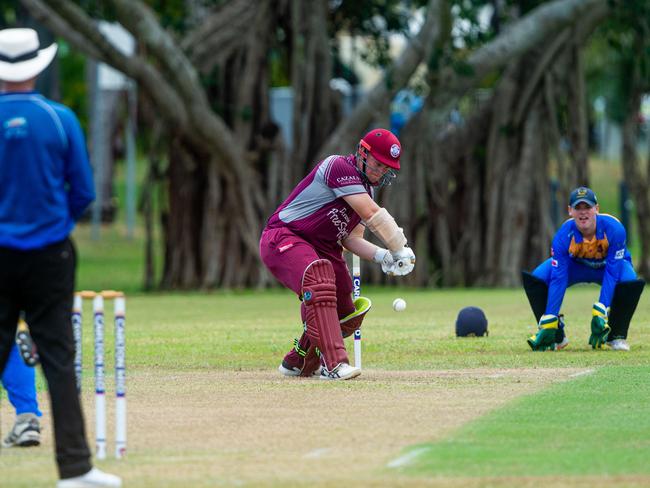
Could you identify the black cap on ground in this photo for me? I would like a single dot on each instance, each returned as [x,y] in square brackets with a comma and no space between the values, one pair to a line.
[471,322]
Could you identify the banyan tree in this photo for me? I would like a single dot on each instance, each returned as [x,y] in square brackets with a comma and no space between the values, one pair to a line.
[475,190]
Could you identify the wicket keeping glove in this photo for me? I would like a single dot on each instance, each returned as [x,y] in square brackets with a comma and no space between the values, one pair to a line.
[599,327]
[545,337]
[385,258]
[404,261]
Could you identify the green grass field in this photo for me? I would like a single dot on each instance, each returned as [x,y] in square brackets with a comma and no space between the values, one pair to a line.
[584,423]
[593,425]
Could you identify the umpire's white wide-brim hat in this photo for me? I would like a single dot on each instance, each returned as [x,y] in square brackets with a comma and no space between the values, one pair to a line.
[20,56]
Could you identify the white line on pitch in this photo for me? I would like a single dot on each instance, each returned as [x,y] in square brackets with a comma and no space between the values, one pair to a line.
[582,373]
[407,458]
[316,453]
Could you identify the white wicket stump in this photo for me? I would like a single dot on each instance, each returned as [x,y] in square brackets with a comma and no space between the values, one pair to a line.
[356,293]
[120,378]
[119,303]
[100,383]
[77,334]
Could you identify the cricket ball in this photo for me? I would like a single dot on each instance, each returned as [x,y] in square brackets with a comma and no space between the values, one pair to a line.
[399,305]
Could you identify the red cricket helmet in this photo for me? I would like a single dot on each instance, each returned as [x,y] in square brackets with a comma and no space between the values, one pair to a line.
[384,147]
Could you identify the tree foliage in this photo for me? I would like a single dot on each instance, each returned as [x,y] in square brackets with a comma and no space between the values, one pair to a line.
[204,68]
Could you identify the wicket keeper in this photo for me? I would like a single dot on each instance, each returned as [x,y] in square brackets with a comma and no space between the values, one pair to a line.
[588,248]
[302,245]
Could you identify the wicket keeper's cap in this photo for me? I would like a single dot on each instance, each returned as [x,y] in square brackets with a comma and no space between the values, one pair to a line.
[384,147]
[582,194]
[471,322]
[20,56]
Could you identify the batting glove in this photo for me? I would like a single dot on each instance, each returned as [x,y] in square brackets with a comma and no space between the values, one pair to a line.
[599,327]
[385,258]
[545,338]
[404,261]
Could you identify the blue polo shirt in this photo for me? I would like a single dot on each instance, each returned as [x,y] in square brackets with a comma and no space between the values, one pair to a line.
[45,177]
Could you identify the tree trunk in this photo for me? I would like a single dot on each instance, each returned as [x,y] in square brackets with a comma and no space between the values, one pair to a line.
[520,198]
[635,179]
[186,189]
[577,105]
[311,70]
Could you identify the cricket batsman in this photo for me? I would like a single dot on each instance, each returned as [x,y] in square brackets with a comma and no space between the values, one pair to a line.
[588,248]
[302,246]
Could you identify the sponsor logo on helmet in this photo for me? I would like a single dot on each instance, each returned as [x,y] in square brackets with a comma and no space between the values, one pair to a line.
[394,150]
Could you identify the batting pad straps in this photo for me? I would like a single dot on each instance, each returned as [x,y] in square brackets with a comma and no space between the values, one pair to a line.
[319,297]
[383,225]
[301,351]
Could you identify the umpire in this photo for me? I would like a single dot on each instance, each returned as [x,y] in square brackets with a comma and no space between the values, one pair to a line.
[45,185]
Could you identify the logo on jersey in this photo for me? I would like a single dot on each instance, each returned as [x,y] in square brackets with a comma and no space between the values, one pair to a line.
[620,254]
[340,219]
[15,128]
[554,263]
[394,150]
[347,180]
[285,247]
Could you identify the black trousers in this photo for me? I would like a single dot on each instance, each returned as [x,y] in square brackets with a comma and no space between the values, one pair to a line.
[41,283]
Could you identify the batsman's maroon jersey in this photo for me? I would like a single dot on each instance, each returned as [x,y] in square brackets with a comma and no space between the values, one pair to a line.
[315,210]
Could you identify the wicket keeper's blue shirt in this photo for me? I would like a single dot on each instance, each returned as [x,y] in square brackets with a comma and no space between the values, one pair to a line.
[606,251]
[45,177]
